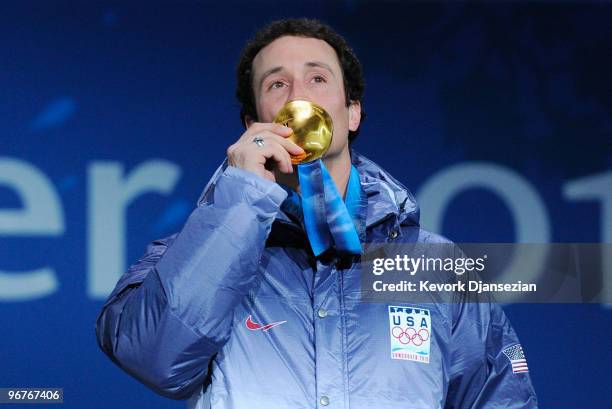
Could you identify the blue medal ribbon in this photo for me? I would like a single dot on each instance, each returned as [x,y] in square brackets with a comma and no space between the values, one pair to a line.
[328,220]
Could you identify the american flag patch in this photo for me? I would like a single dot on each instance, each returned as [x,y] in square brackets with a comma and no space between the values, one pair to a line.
[517,358]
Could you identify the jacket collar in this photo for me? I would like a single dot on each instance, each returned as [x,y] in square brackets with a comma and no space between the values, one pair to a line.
[386,196]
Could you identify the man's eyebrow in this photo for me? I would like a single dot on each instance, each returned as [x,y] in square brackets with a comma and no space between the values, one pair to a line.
[321,65]
[268,73]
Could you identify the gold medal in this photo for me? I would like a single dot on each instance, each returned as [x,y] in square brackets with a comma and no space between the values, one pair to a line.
[312,128]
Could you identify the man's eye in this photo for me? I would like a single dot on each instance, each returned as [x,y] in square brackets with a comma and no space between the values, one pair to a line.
[318,78]
[276,84]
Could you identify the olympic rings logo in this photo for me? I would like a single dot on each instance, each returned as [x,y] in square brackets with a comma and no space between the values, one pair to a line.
[410,335]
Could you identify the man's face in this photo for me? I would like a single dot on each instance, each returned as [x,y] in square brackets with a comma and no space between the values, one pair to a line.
[292,68]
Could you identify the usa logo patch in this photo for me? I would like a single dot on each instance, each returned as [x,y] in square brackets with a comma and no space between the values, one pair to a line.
[410,333]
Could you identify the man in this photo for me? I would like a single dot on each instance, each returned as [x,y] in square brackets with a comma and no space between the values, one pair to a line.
[236,311]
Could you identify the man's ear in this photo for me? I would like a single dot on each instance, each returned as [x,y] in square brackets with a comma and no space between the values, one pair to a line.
[354,115]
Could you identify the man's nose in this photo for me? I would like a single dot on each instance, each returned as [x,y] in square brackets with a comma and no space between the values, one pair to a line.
[298,91]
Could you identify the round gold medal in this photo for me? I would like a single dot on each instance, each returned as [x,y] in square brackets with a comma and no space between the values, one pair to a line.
[312,128]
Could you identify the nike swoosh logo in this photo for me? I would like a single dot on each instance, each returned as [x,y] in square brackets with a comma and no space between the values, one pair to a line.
[253,326]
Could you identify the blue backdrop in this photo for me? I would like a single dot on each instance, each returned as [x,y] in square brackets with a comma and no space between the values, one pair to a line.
[113,116]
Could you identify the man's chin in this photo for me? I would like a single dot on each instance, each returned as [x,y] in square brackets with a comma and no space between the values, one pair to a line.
[336,153]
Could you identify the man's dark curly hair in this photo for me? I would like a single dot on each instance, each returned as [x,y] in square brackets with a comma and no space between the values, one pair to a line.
[352,74]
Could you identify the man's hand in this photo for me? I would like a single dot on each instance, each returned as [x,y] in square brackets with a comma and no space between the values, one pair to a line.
[262,160]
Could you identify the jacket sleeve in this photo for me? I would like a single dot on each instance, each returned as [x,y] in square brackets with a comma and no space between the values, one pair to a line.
[481,375]
[172,310]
